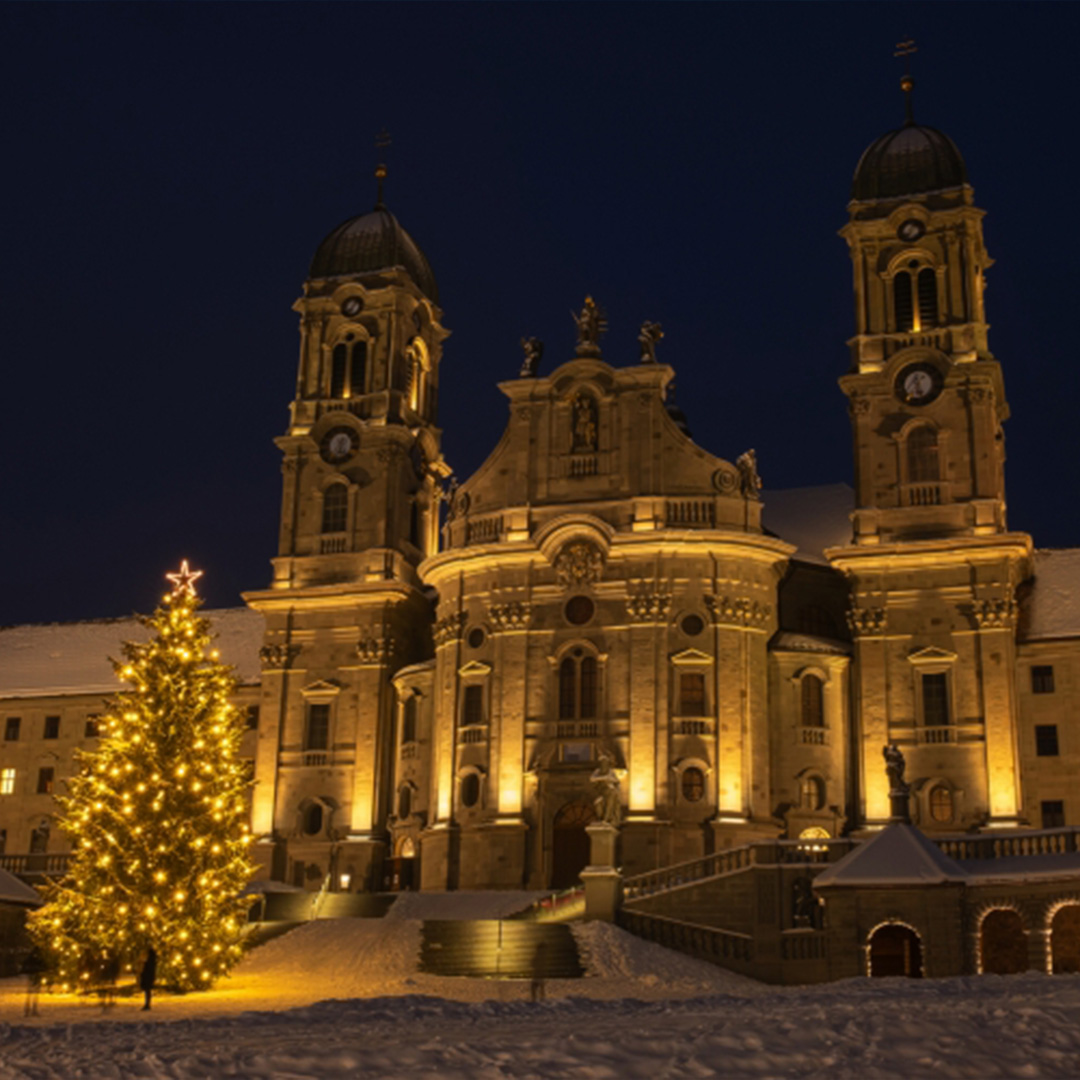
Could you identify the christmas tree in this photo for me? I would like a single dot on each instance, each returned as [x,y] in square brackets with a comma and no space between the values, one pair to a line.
[157,815]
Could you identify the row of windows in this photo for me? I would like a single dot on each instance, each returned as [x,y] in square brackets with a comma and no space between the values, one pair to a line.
[915,298]
[51,728]
[46,779]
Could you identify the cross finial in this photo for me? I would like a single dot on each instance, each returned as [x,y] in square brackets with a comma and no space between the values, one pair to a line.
[382,144]
[904,51]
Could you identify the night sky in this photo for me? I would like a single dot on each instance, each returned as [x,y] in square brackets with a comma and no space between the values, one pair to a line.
[170,170]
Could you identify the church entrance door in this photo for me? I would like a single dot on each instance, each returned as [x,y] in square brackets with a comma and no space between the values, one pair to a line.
[570,843]
[1065,939]
[1003,943]
[895,950]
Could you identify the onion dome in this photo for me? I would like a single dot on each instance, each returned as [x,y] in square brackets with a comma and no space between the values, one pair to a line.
[912,160]
[369,243]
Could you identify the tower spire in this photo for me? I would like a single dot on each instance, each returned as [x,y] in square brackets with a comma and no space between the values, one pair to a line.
[382,143]
[904,50]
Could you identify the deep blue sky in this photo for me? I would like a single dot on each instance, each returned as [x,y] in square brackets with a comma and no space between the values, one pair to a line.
[170,169]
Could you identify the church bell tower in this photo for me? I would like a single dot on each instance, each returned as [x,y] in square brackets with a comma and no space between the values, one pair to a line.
[362,470]
[932,568]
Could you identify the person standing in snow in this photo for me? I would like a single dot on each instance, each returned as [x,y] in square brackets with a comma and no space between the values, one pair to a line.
[33,967]
[148,975]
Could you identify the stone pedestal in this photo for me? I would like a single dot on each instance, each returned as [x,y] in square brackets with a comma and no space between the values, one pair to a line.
[603,883]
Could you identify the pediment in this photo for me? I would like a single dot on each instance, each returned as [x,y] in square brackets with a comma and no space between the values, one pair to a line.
[321,687]
[931,654]
[475,667]
[691,656]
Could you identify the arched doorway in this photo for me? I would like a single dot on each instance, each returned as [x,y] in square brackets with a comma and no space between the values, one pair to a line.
[1003,943]
[570,843]
[895,950]
[1065,940]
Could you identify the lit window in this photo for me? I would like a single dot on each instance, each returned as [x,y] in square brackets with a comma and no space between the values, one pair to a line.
[45,780]
[1042,679]
[692,694]
[941,804]
[335,508]
[693,784]
[318,727]
[52,727]
[813,714]
[7,781]
[1046,740]
[811,793]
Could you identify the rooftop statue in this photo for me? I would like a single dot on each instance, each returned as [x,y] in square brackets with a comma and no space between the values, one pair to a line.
[591,323]
[649,334]
[534,351]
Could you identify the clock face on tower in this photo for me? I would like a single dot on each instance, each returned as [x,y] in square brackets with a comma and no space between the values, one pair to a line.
[352,306]
[918,384]
[338,444]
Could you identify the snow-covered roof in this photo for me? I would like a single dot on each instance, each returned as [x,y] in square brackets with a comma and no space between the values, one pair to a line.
[73,658]
[1051,609]
[14,891]
[898,855]
[812,518]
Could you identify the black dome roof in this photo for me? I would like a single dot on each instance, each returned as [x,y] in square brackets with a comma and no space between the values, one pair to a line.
[908,161]
[370,242]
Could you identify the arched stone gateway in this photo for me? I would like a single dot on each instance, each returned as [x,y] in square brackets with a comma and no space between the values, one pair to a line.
[895,949]
[1065,939]
[1003,943]
[570,843]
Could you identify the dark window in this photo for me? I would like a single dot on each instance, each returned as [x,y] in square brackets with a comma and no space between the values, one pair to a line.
[52,727]
[404,805]
[817,621]
[692,694]
[45,780]
[811,793]
[470,790]
[476,637]
[922,455]
[318,727]
[579,610]
[252,717]
[337,371]
[567,689]
[588,688]
[1042,679]
[414,523]
[941,804]
[39,839]
[400,375]
[335,508]
[1053,814]
[11,729]
[92,728]
[935,696]
[693,784]
[927,298]
[408,720]
[1046,740]
[692,625]
[313,816]
[813,714]
[474,705]
[902,301]
[358,371]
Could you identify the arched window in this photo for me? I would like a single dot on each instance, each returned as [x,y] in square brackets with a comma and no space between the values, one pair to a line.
[470,789]
[922,455]
[941,804]
[928,309]
[408,721]
[579,690]
[335,508]
[313,819]
[811,793]
[339,370]
[348,368]
[693,784]
[358,369]
[813,713]
[902,301]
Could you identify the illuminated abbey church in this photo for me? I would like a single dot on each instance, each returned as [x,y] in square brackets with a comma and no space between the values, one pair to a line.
[435,669]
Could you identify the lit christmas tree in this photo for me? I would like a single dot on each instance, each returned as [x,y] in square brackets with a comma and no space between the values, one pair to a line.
[157,815]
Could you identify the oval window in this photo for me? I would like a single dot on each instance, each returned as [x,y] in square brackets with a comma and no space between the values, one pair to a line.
[579,610]
[692,625]
[476,637]
[693,784]
[470,790]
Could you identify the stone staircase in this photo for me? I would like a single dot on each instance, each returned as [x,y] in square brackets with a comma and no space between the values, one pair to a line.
[303,906]
[499,949]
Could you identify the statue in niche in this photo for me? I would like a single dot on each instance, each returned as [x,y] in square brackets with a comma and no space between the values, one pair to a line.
[748,474]
[804,905]
[534,351]
[648,336]
[591,323]
[606,781]
[584,425]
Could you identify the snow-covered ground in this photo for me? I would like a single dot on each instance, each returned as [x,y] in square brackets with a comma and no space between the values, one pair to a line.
[343,998]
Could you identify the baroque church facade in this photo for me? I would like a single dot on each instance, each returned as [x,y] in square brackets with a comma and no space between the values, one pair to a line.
[437,669]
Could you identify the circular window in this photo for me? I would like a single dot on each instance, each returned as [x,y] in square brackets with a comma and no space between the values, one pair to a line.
[692,625]
[476,637]
[470,790]
[404,806]
[579,610]
[313,819]
[693,784]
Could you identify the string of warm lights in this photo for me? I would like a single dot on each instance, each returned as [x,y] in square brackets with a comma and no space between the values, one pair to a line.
[157,816]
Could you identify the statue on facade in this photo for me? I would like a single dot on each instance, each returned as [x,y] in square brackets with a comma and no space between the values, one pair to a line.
[804,905]
[534,351]
[899,790]
[750,481]
[584,425]
[606,781]
[591,323]
[649,334]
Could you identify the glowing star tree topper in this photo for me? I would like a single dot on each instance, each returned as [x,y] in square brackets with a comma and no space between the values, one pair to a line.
[157,815]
